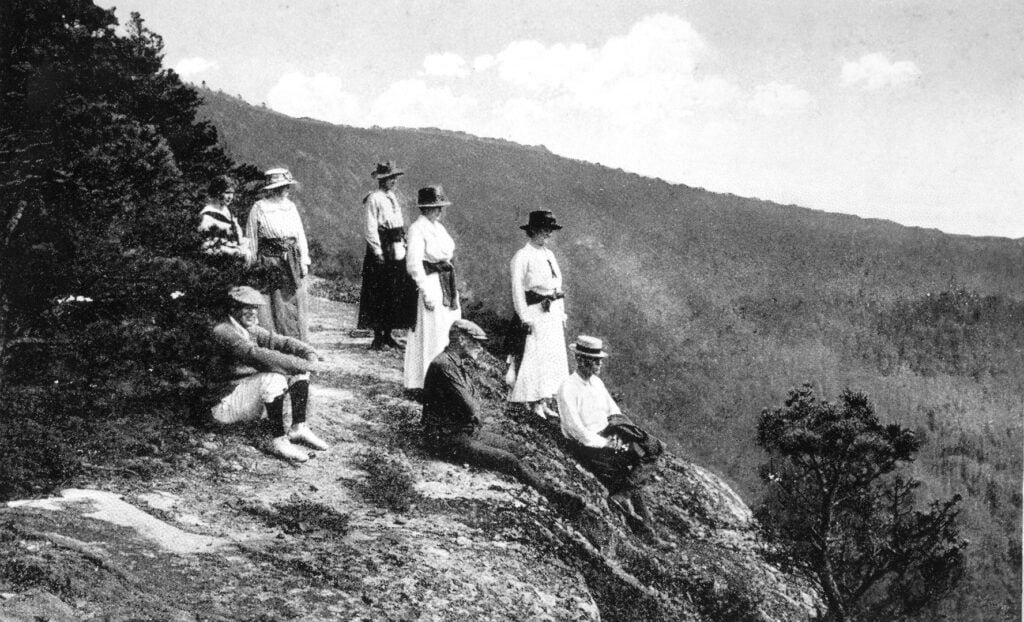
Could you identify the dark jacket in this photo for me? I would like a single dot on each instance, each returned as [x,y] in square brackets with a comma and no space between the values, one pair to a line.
[238,358]
[449,402]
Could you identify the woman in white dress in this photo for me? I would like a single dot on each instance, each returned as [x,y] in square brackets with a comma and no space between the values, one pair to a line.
[539,303]
[277,244]
[429,262]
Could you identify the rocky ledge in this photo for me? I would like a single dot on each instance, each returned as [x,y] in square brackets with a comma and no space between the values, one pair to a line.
[375,529]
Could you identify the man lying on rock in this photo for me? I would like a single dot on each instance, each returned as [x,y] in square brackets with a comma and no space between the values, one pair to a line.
[452,427]
[604,441]
[253,371]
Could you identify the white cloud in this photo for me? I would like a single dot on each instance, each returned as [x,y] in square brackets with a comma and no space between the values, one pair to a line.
[445,65]
[191,66]
[874,71]
[651,70]
[534,66]
[412,103]
[775,99]
[320,96]
[484,62]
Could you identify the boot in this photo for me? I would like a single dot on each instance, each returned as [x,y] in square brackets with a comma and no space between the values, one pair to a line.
[389,341]
[282,448]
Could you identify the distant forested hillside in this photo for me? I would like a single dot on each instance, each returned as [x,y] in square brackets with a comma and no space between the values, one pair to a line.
[715,305]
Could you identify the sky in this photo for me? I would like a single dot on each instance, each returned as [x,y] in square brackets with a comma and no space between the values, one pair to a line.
[911,111]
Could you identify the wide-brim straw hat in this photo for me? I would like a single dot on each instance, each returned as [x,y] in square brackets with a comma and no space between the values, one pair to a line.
[432,196]
[588,346]
[245,295]
[277,177]
[385,170]
[541,219]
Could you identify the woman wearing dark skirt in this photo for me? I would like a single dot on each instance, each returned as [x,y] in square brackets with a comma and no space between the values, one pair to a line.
[388,297]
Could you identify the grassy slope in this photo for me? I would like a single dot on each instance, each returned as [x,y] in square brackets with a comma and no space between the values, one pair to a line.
[715,305]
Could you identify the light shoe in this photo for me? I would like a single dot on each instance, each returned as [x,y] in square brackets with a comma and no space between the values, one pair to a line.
[282,448]
[302,434]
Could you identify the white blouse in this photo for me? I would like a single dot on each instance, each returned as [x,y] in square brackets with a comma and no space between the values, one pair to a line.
[428,241]
[534,269]
[584,407]
[382,210]
[276,218]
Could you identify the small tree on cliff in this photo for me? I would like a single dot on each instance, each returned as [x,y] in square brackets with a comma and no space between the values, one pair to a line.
[846,516]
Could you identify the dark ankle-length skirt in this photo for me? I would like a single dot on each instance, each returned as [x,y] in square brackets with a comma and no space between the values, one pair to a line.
[388,296]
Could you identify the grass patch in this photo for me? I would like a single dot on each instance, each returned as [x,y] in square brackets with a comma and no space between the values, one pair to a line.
[390,481]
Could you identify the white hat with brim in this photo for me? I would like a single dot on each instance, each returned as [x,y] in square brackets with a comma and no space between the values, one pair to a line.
[588,346]
[277,177]
[245,295]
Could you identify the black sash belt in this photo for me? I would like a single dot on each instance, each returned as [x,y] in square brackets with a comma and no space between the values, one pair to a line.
[533,298]
[445,272]
[283,255]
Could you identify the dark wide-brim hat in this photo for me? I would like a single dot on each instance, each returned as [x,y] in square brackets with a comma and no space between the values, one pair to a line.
[541,219]
[432,196]
[385,170]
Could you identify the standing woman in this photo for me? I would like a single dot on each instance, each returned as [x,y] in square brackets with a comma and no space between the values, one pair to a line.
[222,235]
[387,298]
[277,245]
[538,300]
[429,263]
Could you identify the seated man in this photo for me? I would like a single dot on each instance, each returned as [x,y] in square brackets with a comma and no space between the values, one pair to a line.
[255,368]
[451,419]
[620,454]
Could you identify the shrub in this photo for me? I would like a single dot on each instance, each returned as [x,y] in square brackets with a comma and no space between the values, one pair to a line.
[390,479]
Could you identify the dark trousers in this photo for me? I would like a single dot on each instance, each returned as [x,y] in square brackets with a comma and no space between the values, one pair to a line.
[494,452]
[618,471]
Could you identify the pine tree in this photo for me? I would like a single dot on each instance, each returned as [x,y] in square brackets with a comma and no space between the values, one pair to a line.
[846,515]
[104,165]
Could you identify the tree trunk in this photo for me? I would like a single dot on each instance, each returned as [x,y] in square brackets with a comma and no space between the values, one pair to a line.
[836,608]
[4,312]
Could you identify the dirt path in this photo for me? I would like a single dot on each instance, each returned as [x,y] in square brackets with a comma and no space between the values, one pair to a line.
[304,542]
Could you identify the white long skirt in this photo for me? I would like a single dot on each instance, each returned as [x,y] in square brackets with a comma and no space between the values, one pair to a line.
[545,361]
[430,337]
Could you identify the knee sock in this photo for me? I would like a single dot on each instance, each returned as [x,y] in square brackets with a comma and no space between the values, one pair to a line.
[275,416]
[299,392]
